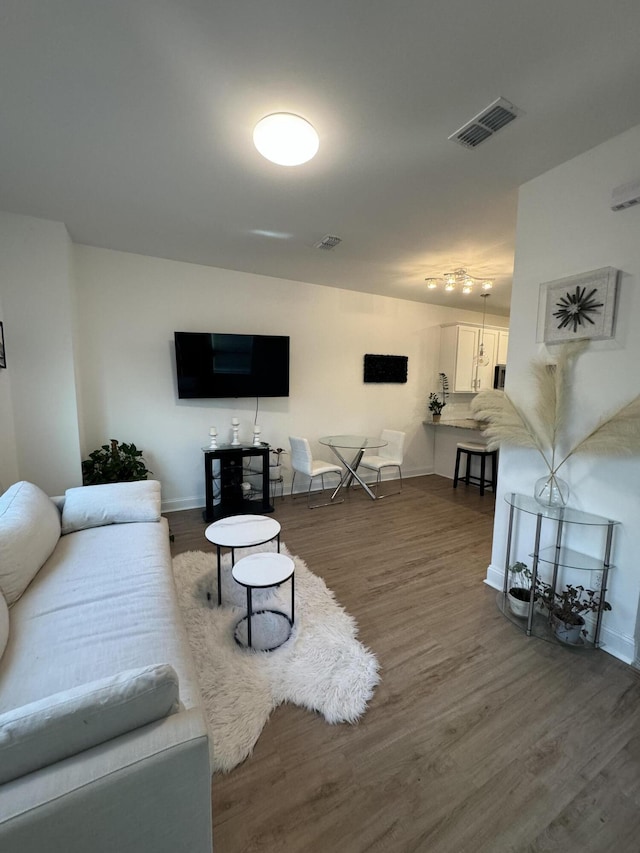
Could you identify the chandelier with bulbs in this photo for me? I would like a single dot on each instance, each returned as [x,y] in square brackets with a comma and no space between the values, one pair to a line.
[459,279]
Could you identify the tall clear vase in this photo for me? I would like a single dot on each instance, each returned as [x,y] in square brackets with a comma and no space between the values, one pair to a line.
[551,490]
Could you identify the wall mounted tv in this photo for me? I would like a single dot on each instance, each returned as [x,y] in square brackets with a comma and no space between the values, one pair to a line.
[222,365]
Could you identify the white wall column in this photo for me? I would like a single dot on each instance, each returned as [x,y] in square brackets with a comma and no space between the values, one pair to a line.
[37,311]
[565,227]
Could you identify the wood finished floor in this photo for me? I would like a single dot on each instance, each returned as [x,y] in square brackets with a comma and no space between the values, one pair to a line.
[477,739]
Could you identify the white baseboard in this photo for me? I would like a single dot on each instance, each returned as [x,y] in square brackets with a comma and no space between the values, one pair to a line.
[612,642]
[495,577]
[182,503]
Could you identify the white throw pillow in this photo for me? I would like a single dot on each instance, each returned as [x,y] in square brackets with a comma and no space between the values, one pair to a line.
[111,503]
[29,531]
[54,728]
[4,624]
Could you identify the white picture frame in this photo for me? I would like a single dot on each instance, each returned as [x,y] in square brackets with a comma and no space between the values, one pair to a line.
[579,307]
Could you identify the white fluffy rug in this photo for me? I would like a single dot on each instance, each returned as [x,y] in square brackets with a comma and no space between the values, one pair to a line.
[322,667]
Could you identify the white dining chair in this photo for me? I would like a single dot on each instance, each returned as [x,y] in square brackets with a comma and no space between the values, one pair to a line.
[303,463]
[389,456]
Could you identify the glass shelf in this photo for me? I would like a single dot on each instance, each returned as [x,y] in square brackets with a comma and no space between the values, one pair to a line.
[570,559]
[526,503]
[540,627]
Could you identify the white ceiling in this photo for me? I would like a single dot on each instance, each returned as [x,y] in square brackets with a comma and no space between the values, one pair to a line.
[131,122]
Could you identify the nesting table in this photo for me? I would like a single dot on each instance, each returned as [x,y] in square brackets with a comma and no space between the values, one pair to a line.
[241,531]
[260,571]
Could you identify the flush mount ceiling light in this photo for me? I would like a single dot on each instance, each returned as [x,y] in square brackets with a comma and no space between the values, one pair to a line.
[459,279]
[286,139]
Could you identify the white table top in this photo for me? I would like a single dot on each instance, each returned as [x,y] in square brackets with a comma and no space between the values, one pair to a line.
[266,569]
[352,442]
[242,531]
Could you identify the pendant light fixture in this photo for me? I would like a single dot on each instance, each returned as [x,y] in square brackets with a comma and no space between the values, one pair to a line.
[482,359]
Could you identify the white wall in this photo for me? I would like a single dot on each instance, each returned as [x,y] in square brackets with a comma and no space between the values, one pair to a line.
[8,450]
[41,442]
[129,307]
[565,227]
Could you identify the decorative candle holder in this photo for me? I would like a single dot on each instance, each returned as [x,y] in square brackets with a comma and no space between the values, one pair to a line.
[213,444]
[256,436]
[235,428]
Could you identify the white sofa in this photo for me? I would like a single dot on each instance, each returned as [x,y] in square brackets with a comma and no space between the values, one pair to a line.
[103,739]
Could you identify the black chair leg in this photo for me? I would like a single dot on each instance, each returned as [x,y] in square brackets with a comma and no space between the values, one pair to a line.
[455,476]
[483,459]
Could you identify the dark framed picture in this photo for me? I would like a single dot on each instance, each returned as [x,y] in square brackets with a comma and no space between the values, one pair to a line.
[3,358]
[385,368]
[578,307]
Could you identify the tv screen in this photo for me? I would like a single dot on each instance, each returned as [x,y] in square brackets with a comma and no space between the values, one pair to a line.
[222,365]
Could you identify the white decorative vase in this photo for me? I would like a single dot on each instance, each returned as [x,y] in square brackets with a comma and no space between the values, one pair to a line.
[551,491]
[275,472]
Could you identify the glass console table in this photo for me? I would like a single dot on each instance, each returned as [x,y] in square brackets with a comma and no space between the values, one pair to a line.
[556,558]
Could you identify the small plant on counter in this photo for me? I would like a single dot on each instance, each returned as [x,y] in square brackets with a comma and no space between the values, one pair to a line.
[114,463]
[436,404]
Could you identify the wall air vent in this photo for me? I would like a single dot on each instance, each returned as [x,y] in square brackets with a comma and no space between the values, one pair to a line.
[493,118]
[329,241]
[628,195]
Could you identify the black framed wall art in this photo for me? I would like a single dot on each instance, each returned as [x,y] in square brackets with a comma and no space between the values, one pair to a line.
[385,368]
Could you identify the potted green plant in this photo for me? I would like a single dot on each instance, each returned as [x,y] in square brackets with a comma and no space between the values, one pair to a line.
[519,594]
[438,400]
[566,609]
[275,466]
[114,463]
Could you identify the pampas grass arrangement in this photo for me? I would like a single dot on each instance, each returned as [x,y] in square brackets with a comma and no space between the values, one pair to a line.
[543,430]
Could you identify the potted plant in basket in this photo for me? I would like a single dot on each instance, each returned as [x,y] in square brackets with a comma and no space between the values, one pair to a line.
[275,466]
[566,609]
[114,463]
[436,404]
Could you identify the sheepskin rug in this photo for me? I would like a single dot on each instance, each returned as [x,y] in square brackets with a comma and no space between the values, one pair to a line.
[321,667]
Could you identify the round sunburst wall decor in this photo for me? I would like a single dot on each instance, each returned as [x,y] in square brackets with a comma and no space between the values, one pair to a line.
[579,307]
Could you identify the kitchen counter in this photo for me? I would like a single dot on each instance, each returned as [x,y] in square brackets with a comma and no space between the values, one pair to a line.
[460,423]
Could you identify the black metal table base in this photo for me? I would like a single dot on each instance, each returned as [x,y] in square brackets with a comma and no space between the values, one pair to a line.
[249,644]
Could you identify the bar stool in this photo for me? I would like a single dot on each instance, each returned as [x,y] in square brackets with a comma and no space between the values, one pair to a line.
[471,449]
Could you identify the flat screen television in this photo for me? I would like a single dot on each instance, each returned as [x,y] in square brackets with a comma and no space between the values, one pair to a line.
[223,365]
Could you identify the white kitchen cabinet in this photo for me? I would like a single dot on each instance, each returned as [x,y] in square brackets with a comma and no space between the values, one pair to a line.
[503,346]
[459,349]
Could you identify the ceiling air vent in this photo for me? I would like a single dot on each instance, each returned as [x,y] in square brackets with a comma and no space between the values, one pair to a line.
[329,241]
[493,118]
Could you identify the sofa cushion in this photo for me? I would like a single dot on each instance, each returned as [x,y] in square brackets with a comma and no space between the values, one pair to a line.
[110,503]
[56,727]
[29,531]
[4,624]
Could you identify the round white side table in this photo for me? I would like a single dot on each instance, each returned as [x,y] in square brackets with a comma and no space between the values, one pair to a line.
[241,531]
[259,571]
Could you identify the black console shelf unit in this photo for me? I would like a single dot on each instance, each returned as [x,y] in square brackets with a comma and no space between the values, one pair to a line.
[233,500]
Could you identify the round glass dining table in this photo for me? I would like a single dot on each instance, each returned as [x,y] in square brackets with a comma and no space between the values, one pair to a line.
[357,443]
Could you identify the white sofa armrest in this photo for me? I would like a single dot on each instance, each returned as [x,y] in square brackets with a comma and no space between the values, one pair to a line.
[148,790]
[110,503]
[56,727]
